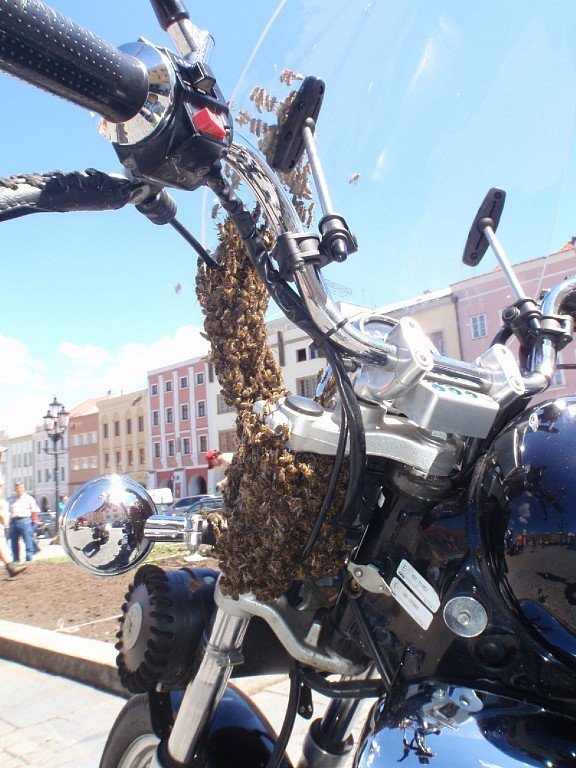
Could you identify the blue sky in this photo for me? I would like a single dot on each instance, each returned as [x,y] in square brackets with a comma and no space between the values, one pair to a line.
[430,102]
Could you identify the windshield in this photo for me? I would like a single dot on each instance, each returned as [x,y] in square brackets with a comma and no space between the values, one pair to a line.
[427,107]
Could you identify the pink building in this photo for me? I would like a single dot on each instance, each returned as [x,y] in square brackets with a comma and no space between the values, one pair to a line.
[83,455]
[481,299]
[178,427]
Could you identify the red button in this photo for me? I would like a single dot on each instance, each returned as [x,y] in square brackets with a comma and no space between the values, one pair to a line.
[208,123]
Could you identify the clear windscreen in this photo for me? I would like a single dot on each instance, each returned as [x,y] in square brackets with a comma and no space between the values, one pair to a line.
[427,107]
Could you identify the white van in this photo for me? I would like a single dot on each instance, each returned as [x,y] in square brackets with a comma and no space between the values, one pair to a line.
[161,495]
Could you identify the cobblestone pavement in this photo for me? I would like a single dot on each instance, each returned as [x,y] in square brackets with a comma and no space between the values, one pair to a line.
[46,720]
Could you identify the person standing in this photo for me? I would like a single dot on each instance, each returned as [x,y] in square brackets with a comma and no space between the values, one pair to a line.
[22,507]
[13,568]
[219,462]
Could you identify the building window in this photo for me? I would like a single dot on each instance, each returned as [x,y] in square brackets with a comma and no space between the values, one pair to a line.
[437,338]
[118,460]
[199,378]
[202,443]
[300,355]
[39,447]
[306,387]
[128,426]
[222,406]
[105,430]
[313,352]
[186,446]
[116,429]
[39,476]
[184,412]
[63,474]
[140,423]
[46,475]
[156,450]
[85,462]
[227,441]
[155,419]
[130,458]
[154,389]
[169,415]
[107,461]
[141,456]
[478,327]
[170,447]
[201,408]
[183,382]
[94,462]
[168,386]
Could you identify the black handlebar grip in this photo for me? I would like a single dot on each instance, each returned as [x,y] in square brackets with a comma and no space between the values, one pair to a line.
[50,51]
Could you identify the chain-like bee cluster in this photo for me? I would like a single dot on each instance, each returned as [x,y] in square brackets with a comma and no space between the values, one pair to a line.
[271,495]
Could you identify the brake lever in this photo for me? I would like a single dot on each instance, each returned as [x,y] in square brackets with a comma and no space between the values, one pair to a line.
[61,192]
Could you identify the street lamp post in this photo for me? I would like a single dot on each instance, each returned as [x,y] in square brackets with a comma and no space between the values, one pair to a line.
[55,424]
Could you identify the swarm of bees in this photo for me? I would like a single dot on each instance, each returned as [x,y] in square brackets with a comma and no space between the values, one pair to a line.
[272,496]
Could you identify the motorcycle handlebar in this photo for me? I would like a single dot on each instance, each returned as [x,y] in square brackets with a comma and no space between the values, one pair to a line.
[50,51]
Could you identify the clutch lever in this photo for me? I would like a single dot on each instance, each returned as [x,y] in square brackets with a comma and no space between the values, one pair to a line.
[60,192]
[90,190]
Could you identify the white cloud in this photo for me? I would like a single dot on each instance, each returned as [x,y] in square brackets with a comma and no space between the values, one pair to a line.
[381,164]
[18,365]
[78,373]
[88,355]
[426,61]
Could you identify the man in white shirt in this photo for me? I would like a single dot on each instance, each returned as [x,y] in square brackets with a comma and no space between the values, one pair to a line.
[13,568]
[22,507]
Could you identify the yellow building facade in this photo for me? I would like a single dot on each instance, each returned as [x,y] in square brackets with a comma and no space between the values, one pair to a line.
[123,431]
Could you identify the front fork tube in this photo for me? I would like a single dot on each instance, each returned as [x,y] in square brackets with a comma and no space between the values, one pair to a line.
[203,693]
[328,742]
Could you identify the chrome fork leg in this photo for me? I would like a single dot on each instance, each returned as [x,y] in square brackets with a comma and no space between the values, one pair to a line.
[205,691]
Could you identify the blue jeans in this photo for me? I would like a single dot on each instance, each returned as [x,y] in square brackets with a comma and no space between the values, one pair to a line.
[22,528]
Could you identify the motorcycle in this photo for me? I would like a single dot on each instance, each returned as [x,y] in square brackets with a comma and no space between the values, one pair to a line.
[430,499]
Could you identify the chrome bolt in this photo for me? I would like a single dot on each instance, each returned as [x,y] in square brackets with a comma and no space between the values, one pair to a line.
[465,616]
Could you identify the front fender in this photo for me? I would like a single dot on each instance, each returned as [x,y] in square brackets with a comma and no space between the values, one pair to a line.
[240,736]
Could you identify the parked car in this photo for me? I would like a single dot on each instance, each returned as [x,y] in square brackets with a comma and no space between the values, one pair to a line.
[198,530]
[178,522]
[206,504]
[187,501]
[46,525]
[167,527]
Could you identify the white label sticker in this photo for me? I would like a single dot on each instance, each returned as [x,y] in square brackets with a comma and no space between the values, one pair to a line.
[410,603]
[419,585]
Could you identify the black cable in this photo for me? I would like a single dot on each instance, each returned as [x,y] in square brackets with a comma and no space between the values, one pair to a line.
[374,649]
[351,507]
[336,467]
[191,240]
[291,304]
[347,689]
[279,750]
